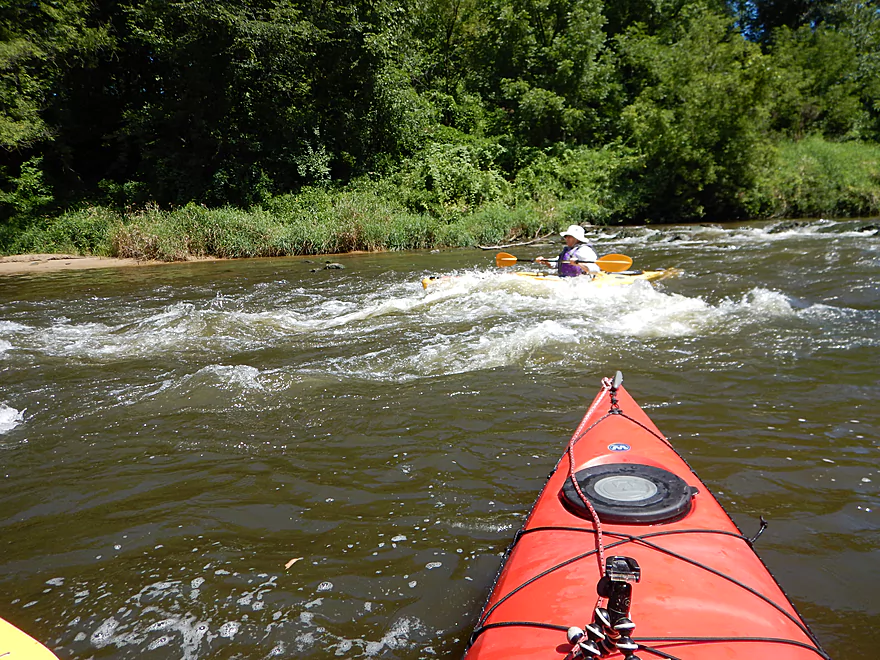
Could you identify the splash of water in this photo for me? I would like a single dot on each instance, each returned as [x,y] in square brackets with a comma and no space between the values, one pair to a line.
[9,418]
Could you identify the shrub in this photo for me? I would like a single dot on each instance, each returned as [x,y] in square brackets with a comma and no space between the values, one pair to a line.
[580,185]
[84,231]
[453,179]
[815,177]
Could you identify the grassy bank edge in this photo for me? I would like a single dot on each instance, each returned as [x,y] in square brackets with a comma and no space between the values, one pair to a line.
[196,231]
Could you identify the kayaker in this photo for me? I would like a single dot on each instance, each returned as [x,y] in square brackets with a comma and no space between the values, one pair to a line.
[577,249]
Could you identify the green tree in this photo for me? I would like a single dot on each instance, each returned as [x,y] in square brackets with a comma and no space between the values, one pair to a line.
[541,65]
[698,116]
[654,16]
[657,109]
[859,21]
[815,90]
[39,41]
[22,197]
[234,100]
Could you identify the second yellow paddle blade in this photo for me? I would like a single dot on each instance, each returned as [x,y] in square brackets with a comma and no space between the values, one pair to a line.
[503,259]
[614,263]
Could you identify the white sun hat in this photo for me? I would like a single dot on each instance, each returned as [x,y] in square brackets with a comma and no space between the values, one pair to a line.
[577,231]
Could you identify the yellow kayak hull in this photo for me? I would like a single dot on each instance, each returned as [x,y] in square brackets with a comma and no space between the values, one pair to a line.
[16,645]
[599,279]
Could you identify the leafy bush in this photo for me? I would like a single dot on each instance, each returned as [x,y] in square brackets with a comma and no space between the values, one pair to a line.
[815,86]
[453,179]
[318,222]
[581,185]
[554,188]
[26,196]
[86,231]
[815,177]
[496,224]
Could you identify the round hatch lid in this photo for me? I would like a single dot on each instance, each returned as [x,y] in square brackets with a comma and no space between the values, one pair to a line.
[629,493]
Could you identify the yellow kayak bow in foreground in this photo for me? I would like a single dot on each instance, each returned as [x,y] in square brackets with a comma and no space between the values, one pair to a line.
[17,645]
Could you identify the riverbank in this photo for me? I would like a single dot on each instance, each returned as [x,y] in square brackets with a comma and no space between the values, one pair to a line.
[27,264]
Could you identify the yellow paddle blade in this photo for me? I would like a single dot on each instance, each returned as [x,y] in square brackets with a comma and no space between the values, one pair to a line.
[503,259]
[614,263]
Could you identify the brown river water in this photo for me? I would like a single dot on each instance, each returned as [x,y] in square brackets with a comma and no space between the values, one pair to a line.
[172,437]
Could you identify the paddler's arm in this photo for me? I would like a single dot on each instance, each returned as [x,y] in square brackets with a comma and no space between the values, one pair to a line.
[547,262]
[585,266]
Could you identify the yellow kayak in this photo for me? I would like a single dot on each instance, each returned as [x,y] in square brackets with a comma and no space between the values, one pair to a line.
[602,279]
[16,645]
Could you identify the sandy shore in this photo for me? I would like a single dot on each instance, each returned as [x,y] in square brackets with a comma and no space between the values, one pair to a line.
[20,264]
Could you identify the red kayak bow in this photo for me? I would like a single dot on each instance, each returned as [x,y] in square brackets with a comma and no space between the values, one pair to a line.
[626,554]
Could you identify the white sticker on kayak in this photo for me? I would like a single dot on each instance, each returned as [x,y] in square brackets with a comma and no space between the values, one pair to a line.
[619,446]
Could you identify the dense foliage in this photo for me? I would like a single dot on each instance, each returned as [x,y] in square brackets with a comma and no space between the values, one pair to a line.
[432,113]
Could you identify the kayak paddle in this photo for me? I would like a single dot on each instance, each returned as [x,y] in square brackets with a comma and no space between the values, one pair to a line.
[610,263]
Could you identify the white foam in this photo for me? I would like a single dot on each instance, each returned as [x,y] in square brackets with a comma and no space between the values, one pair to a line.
[677,316]
[478,320]
[762,303]
[103,634]
[205,327]
[11,327]
[229,629]
[640,235]
[517,321]
[9,418]
[500,346]
[483,526]
[158,643]
[717,237]
[397,637]
[233,377]
[164,624]
[178,326]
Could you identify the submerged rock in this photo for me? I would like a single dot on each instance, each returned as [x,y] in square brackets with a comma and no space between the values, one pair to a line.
[332,265]
[788,225]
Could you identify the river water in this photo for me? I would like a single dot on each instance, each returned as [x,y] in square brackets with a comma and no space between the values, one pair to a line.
[172,437]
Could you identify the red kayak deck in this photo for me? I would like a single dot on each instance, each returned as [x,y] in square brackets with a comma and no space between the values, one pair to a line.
[703,591]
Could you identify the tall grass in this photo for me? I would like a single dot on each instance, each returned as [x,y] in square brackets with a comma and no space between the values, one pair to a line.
[315,223]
